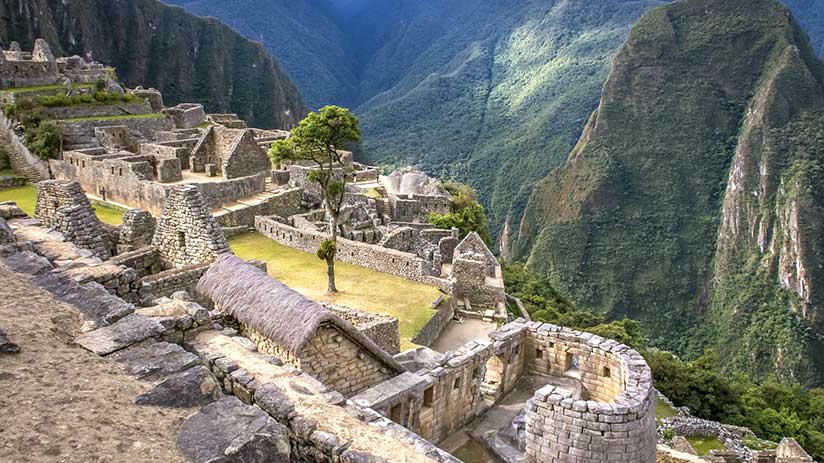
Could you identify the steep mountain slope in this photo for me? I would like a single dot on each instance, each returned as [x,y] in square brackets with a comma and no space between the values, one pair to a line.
[810,14]
[186,57]
[692,201]
[493,93]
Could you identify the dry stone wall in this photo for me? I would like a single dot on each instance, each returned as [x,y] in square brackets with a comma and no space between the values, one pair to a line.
[617,423]
[382,329]
[64,206]
[341,364]
[187,234]
[402,264]
[168,282]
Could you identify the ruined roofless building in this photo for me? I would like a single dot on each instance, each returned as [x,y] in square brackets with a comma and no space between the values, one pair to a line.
[285,324]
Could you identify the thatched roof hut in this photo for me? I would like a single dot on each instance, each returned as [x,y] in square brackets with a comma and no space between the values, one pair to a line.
[273,309]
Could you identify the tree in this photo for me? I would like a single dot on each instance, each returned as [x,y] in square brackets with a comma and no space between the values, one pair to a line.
[319,138]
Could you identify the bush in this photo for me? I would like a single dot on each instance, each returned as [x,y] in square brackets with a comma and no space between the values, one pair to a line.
[467,214]
[45,139]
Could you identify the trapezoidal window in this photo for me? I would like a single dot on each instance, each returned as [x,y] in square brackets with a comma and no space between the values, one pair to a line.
[181,239]
[571,363]
[607,372]
[429,396]
[457,384]
[539,354]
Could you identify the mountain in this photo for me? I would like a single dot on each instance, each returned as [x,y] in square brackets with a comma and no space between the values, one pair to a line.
[189,59]
[692,201]
[492,93]
[810,14]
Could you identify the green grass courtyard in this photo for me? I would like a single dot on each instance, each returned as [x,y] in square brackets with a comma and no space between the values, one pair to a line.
[359,288]
[26,198]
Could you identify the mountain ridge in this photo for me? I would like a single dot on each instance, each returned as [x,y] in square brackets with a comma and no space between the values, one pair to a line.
[652,215]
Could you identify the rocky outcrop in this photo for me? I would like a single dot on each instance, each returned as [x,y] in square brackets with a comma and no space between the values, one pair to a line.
[229,430]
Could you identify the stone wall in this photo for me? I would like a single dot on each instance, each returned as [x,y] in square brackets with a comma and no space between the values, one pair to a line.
[95,110]
[168,282]
[382,329]
[186,232]
[145,261]
[283,203]
[378,258]
[81,132]
[320,428]
[418,208]
[186,115]
[7,182]
[614,420]
[64,206]
[21,159]
[435,326]
[132,188]
[340,363]
[27,73]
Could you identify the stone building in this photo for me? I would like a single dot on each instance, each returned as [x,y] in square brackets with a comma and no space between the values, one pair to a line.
[186,233]
[294,329]
[232,153]
[17,70]
[414,196]
[477,277]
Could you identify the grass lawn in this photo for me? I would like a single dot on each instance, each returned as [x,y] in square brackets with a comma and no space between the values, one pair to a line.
[662,410]
[42,88]
[703,445]
[7,173]
[359,288]
[26,197]
[115,118]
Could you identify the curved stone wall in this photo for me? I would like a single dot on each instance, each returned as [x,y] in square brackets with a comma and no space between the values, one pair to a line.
[610,419]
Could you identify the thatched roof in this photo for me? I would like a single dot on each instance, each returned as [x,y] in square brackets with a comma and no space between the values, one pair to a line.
[275,310]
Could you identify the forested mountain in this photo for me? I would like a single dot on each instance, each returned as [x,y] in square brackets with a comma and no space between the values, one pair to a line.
[693,199]
[188,58]
[492,93]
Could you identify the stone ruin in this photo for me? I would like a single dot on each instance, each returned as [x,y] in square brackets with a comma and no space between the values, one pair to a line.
[64,207]
[186,232]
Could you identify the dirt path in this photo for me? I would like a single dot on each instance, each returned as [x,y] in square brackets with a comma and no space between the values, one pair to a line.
[61,403]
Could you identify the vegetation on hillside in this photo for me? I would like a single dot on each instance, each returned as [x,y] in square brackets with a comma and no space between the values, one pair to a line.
[630,225]
[467,213]
[189,59]
[771,409]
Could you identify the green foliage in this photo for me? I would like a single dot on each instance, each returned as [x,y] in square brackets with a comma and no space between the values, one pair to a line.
[669,434]
[99,97]
[771,409]
[327,250]
[630,225]
[45,140]
[467,214]
[545,304]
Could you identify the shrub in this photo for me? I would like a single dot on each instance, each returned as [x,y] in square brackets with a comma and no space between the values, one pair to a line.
[45,139]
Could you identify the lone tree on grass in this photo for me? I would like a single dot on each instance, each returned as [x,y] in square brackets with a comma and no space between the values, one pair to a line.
[319,138]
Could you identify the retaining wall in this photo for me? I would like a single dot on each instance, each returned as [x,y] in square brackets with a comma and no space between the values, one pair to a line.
[435,326]
[166,283]
[402,264]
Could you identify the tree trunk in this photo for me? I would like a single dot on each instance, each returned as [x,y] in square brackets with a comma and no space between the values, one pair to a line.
[330,259]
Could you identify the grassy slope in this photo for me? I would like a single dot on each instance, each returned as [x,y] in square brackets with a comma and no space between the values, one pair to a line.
[630,223]
[188,58]
[360,288]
